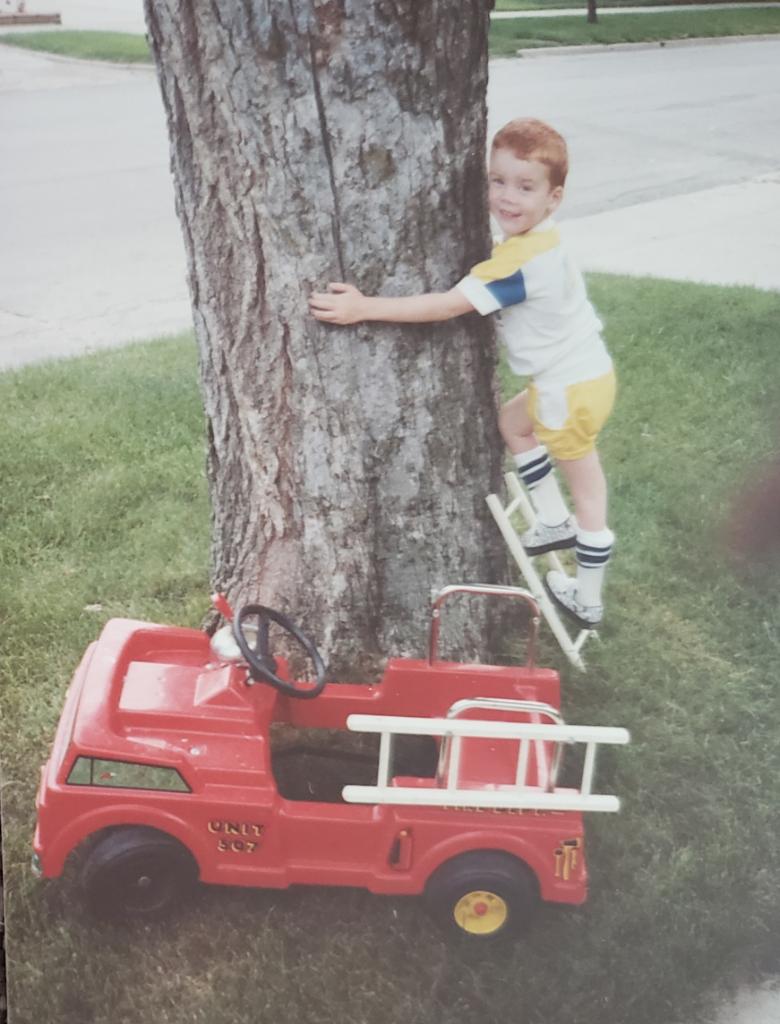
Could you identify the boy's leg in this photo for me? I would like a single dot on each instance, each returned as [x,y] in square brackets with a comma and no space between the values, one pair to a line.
[554,529]
[588,486]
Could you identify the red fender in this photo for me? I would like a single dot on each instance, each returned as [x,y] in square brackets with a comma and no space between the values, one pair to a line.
[85,825]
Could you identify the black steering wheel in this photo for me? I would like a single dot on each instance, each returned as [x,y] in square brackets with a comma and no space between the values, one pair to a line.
[262,665]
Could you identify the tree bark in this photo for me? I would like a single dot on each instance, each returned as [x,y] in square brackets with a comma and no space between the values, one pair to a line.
[592,12]
[321,140]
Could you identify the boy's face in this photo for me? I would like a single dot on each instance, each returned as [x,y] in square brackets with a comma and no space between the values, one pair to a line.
[520,195]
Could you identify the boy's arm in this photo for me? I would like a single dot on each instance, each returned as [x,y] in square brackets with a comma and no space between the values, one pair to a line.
[344,304]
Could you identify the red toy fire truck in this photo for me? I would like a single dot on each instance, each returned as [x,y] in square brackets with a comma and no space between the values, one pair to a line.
[166,768]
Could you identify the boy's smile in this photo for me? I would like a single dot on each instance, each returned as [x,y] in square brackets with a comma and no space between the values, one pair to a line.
[519,192]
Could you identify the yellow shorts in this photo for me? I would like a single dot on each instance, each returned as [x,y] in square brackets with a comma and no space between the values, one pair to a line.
[587,407]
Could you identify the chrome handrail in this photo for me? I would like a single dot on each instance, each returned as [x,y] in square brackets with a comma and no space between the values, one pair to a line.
[486,589]
[536,707]
[506,704]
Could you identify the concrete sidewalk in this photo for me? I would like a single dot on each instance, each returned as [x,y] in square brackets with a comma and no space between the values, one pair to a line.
[689,238]
[757,1005]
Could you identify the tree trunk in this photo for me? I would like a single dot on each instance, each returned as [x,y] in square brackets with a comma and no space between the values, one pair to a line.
[592,15]
[348,467]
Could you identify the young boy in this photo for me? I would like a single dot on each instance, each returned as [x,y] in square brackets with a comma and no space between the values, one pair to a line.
[552,335]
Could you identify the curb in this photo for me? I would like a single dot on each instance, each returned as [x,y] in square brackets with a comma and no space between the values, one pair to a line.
[564,51]
[533,52]
[60,58]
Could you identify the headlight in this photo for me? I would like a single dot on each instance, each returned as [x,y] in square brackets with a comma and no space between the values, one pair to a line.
[224,646]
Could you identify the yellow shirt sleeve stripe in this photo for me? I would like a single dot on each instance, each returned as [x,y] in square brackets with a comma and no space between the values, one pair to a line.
[512,254]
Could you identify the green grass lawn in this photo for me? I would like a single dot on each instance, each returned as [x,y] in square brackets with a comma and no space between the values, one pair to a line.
[104,513]
[550,5]
[121,47]
[508,36]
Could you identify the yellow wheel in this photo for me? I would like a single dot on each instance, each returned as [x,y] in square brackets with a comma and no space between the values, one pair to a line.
[483,895]
[480,912]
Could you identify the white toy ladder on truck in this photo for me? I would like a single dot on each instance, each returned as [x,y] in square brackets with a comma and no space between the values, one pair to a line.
[503,517]
[489,763]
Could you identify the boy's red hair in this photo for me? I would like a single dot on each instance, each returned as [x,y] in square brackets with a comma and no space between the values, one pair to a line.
[530,139]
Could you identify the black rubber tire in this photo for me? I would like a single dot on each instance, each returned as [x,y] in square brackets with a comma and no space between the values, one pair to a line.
[136,873]
[490,871]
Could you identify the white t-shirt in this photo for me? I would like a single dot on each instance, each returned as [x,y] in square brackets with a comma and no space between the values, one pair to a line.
[549,327]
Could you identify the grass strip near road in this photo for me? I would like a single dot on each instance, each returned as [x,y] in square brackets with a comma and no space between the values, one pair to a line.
[552,5]
[508,36]
[117,47]
[104,513]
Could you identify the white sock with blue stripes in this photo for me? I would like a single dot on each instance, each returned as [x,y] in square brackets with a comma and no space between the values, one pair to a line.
[536,471]
[593,550]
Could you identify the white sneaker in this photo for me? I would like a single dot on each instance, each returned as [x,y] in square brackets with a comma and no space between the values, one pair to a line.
[563,590]
[542,538]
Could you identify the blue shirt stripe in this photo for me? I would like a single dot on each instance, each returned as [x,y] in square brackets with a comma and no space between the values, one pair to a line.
[508,291]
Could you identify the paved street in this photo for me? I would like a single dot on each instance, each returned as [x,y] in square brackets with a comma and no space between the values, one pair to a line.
[648,124]
[92,254]
[673,151]
[665,145]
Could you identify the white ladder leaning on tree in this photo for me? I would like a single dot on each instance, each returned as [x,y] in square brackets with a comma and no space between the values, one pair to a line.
[520,502]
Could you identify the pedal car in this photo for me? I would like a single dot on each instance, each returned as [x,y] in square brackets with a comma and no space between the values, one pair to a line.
[171,764]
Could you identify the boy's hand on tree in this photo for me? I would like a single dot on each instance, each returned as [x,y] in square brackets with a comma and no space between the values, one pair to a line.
[341,304]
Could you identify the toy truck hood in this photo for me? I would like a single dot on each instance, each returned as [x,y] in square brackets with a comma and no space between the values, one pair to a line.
[157,695]
[154,695]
